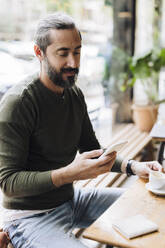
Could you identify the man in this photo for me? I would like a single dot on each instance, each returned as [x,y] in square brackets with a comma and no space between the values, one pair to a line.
[43,122]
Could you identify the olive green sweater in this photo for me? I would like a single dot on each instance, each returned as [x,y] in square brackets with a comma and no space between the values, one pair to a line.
[40,131]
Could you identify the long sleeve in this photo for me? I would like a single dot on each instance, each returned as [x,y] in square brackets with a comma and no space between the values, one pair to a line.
[17,120]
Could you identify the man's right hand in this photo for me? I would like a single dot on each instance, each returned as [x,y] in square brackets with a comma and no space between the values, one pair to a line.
[4,239]
[84,166]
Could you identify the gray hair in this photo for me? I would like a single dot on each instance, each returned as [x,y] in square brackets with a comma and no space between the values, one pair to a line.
[53,21]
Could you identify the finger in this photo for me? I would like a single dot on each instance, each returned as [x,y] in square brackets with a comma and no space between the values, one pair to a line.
[111,154]
[106,160]
[111,165]
[108,157]
[156,168]
[93,153]
[108,166]
[104,169]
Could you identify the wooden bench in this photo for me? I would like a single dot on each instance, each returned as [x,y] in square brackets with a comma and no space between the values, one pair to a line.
[137,141]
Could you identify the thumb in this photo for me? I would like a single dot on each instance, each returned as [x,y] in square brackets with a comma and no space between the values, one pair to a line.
[93,154]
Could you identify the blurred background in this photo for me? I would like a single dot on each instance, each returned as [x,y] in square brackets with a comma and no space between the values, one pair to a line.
[115,33]
[122,71]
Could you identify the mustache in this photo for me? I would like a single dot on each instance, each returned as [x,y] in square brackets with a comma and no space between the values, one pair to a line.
[75,70]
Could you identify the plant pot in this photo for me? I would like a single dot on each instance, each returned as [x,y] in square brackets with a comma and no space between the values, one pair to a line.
[145,116]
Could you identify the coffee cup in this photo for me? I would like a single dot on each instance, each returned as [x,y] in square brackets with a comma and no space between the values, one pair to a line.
[157,180]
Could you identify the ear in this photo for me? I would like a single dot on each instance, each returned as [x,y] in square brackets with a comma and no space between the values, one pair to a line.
[38,52]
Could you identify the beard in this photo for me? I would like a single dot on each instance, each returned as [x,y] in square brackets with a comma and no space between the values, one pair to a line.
[57,77]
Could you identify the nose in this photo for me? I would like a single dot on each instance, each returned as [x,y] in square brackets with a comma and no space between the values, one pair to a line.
[72,61]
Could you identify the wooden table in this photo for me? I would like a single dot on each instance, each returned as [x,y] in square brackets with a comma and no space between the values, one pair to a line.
[136,200]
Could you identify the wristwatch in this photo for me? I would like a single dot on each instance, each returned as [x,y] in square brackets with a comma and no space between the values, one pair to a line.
[128,168]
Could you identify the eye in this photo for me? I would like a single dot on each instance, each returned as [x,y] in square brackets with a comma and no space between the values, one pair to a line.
[77,53]
[63,54]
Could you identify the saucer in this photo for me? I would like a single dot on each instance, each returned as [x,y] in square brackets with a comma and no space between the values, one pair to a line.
[155,191]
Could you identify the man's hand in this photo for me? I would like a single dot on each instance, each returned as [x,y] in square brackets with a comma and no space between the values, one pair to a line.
[142,169]
[85,166]
[4,239]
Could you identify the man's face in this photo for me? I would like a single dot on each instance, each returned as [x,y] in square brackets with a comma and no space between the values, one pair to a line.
[62,58]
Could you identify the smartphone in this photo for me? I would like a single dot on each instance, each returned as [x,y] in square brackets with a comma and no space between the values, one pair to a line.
[115,147]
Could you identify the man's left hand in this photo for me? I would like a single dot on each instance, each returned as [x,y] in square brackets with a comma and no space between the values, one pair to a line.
[142,169]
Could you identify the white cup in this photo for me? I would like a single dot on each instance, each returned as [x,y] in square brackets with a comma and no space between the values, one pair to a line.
[157,180]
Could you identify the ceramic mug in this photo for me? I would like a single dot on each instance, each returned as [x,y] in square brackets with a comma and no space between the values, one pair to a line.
[157,180]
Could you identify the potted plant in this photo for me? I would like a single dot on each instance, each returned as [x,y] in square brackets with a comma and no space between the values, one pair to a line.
[145,70]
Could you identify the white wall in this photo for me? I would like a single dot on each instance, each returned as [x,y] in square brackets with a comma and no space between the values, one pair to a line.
[143,40]
[144,26]
[162,35]
[161,115]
